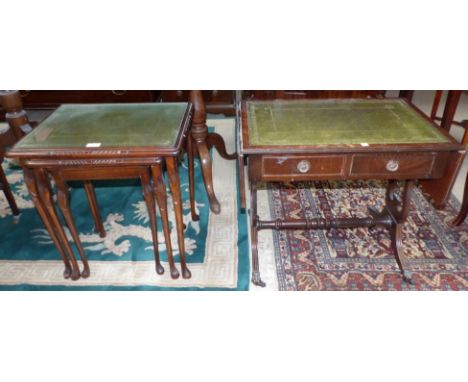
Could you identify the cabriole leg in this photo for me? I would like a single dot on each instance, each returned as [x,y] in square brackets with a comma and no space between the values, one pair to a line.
[30,180]
[161,197]
[45,194]
[174,184]
[64,205]
[149,199]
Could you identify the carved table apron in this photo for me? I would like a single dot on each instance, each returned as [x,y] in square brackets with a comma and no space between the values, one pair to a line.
[287,141]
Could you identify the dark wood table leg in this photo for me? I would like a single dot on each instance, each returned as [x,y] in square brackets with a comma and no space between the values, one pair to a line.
[149,199]
[256,279]
[7,191]
[453,97]
[92,200]
[435,104]
[174,185]
[464,207]
[161,198]
[205,163]
[203,142]
[399,209]
[215,140]
[64,205]
[191,170]
[393,218]
[16,117]
[31,184]
[45,194]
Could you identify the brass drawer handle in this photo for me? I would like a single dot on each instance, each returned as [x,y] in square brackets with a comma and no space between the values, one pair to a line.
[392,165]
[303,166]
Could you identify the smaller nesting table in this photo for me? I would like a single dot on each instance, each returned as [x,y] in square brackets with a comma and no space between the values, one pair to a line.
[288,141]
[108,141]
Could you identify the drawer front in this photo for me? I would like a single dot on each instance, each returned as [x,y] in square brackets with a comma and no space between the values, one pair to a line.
[303,167]
[393,165]
[415,165]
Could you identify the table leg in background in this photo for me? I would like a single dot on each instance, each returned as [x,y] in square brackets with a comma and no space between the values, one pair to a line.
[215,140]
[203,141]
[191,172]
[7,191]
[92,200]
[451,104]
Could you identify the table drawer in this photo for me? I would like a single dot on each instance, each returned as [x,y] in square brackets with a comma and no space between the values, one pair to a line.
[303,167]
[398,165]
[297,167]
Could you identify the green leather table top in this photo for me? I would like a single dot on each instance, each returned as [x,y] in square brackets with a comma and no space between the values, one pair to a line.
[332,122]
[129,125]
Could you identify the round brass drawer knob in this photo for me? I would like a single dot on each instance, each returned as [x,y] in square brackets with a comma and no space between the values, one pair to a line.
[392,165]
[303,166]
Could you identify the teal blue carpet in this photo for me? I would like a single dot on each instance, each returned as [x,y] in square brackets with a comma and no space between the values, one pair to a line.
[128,237]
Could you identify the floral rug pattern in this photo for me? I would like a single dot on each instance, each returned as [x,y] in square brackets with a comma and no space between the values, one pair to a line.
[361,259]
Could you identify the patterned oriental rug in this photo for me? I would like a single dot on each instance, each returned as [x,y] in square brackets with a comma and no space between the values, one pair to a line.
[361,259]
[217,245]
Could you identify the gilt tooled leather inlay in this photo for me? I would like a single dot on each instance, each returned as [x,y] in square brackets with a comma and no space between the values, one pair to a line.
[330,122]
[111,125]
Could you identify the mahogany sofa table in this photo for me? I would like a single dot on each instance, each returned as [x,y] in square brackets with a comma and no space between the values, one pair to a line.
[288,141]
[107,141]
